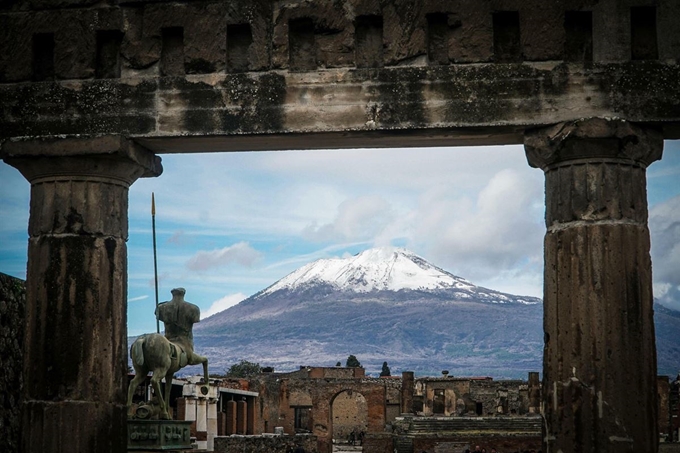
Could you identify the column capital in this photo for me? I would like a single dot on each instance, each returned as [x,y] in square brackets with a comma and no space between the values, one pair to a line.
[112,157]
[582,141]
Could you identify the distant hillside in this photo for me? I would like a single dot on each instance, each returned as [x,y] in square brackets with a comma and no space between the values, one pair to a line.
[391,305]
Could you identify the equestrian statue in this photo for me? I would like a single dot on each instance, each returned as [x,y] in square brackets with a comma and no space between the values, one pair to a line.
[165,355]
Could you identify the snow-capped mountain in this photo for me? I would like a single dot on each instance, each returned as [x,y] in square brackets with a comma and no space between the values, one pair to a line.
[386,269]
[386,304]
[378,269]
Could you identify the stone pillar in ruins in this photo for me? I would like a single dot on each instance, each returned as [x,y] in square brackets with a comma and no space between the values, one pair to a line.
[407,378]
[534,388]
[212,422]
[599,364]
[202,423]
[75,348]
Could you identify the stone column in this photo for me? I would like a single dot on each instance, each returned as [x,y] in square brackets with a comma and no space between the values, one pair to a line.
[599,363]
[190,414]
[75,346]
[534,391]
[212,423]
[202,423]
[252,416]
[241,417]
[407,383]
[231,417]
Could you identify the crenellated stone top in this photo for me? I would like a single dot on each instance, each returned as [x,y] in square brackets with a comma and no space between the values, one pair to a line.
[210,36]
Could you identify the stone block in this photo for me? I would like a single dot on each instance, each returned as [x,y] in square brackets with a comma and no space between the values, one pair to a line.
[12,317]
[326,30]
[149,435]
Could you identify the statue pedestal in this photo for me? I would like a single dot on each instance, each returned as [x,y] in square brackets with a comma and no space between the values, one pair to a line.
[158,435]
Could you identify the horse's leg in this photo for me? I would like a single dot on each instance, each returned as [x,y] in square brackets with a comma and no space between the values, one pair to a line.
[204,360]
[195,359]
[138,379]
[156,384]
[168,389]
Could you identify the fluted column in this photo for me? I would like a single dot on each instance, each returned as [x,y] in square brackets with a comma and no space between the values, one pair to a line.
[599,363]
[75,348]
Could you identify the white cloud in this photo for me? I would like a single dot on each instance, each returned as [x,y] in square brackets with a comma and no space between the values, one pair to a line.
[357,218]
[135,299]
[240,253]
[223,303]
[661,289]
[278,194]
[405,168]
[498,230]
[664,225]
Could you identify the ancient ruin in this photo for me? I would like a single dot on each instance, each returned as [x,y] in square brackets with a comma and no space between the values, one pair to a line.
[91,92]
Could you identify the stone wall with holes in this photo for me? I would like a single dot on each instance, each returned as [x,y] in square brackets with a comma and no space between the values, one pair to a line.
[246,67]
[12,316]
[80,39]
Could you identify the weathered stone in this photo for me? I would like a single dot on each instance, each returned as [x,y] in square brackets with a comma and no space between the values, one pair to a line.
[315,390]
[265,444]
[351,102]
[407,392]
[12,318]
[75,309]
[150,435]
[328,29]
[418,89]
[598,299]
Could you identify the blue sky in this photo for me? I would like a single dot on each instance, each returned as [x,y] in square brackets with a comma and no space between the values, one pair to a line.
[231,224]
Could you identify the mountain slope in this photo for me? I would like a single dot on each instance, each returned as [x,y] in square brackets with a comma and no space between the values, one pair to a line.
[389,305]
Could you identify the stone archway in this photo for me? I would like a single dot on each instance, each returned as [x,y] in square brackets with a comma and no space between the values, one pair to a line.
[349,414]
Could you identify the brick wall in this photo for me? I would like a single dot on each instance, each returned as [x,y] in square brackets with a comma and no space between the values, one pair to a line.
[349,414]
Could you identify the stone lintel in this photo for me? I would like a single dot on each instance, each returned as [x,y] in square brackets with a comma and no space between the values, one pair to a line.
[593,140]
[38,158]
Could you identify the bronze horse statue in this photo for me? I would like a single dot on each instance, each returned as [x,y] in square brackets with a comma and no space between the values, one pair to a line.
[165,355]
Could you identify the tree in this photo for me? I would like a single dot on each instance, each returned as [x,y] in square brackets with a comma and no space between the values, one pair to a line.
[352,362]
[244,369]
[338,364]
[385,370]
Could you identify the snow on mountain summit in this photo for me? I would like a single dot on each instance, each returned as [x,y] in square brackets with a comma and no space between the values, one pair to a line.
[377,269]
